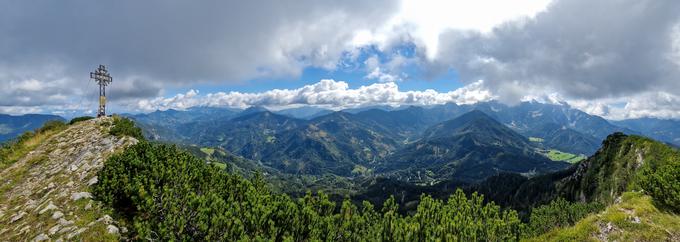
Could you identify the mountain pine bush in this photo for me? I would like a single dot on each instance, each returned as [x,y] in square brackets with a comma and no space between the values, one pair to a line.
[663,184]
[560,213]
[80,119]
[168,194]
[124,126]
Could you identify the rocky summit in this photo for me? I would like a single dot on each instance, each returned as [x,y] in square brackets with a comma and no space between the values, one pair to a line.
[45,195]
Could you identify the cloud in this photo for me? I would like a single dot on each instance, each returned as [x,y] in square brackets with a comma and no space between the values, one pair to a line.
[177,41]
[31,92]
[581,49]
[646,104]
[389,72]
[616,58]
[325,93]
[422,21]
[154,45]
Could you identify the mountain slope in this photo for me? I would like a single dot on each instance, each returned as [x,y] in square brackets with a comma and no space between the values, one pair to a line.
[559,137]
[337,143]
[403,124]
[471,147]
[168,125]
[245,134]
[12,126]
[632,218]
[617,167]
[45,195]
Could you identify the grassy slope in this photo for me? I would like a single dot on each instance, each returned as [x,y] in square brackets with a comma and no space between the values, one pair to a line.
[618,223]
[535,139]
[615,169]
[21,149]
[557,155]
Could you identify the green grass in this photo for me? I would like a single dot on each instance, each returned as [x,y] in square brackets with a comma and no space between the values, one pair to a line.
[535,139]
[208,151]
[219,165]
[11,152]
[655,224]
[80,119]
[557,155]
[361,170]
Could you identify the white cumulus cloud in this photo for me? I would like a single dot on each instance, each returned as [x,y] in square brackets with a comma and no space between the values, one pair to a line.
[325,93]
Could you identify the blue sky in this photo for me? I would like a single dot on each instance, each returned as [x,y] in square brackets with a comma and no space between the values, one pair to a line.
[351,70]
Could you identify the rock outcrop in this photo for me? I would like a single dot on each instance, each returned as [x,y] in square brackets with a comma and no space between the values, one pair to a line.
[45,195]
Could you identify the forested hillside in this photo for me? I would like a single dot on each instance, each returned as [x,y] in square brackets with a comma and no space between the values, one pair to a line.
[469,148]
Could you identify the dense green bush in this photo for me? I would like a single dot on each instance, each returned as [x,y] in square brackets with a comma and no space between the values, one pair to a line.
[663,184]
[168,194]
[560,213]
[80,119]
[125,127]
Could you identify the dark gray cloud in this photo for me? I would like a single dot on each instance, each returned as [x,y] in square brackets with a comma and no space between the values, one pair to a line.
[182,40]
[149,45]
[579,48]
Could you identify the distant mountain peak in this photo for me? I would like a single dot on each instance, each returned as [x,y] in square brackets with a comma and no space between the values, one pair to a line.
[474,119]
[255,109]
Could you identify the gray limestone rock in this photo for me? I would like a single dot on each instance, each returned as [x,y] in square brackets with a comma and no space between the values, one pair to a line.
[47,208]
[79,195]
[41,237]
[57,215]
[112,229]
[54,229]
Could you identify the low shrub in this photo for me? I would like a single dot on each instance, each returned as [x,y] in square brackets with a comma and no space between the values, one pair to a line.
[125,127]
[80,119]
[560,213]
[663,184]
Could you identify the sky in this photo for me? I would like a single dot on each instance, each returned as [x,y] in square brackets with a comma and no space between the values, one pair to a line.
[614,58]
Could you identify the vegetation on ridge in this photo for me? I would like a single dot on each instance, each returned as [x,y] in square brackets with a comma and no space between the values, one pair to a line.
[80,119]
[559,213]
[12,150]
[169,194]
[635,218]
[125,127]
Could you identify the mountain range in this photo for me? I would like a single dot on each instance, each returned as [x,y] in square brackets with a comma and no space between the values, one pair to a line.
[420,144]
[417,144]
[12,126]
[470,147]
